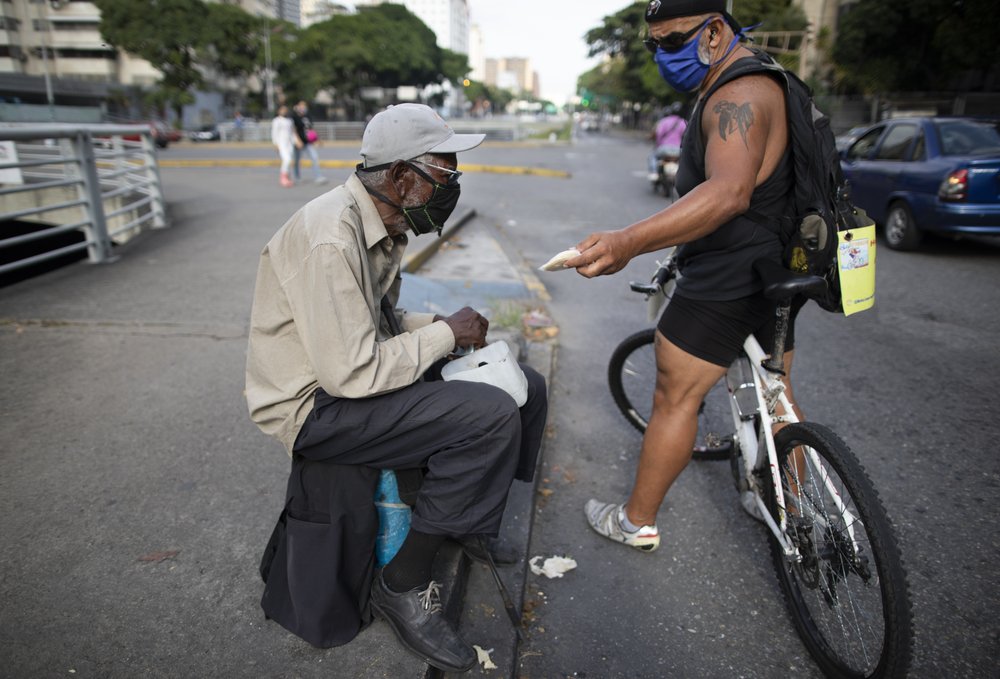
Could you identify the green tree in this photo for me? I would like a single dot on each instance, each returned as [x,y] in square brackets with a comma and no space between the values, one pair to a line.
[232,42]
[773,15]
[626,75]
[454,66]
[166,33]
[893,45]
[631,74]
[479,93]
[381,46]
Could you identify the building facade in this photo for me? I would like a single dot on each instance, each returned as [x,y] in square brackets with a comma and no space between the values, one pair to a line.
[512,73]
[52,52]
[315,11]
[286,10]
[477,53]
[822,17]
[62,40]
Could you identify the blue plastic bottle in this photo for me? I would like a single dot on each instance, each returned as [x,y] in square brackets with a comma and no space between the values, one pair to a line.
[393,518]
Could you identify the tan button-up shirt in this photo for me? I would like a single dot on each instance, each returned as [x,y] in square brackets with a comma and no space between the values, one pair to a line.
[316,319]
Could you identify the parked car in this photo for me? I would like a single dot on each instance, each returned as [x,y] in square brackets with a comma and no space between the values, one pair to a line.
[162,133]
[847,138]
[940,174]
[205,133]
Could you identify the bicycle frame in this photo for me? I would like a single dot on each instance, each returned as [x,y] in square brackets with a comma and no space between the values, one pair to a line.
[770,391]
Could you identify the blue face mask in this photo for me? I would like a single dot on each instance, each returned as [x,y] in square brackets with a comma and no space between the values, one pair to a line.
[684,70]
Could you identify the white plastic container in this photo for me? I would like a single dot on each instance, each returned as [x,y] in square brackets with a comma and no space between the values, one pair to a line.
[493,364]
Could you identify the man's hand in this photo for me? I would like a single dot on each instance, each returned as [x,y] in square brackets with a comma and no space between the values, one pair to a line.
[602,253]
[469,328]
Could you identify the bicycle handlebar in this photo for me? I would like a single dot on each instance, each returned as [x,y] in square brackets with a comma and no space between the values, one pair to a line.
[666,271]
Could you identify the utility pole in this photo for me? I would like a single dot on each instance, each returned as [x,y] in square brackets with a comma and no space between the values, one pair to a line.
[269,78]
[268,75]
[44,26]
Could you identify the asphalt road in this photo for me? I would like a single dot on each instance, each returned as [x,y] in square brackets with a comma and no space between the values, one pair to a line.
[911,385]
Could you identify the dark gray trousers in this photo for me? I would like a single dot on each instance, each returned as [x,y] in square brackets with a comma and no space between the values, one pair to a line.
[471,439]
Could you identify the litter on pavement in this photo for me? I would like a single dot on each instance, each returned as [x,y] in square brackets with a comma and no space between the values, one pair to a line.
[483,657]
[552,567]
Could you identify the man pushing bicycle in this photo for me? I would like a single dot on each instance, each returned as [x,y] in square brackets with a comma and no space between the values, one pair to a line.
[735,159]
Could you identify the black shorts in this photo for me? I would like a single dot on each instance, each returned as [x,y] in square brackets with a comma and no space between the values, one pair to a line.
[715,331]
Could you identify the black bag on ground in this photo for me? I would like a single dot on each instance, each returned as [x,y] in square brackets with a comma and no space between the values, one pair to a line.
[319,564]
[821,200]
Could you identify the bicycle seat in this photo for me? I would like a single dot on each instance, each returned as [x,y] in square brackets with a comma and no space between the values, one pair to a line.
[781,284]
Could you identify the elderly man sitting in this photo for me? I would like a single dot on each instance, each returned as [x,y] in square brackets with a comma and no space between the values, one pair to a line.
[344,380]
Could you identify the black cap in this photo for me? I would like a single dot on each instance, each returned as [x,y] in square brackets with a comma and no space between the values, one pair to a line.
[661,10]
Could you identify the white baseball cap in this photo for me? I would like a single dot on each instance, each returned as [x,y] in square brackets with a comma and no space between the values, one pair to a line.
[406,131]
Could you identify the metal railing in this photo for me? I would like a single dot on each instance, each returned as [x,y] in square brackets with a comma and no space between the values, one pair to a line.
[780,42]
[102,181]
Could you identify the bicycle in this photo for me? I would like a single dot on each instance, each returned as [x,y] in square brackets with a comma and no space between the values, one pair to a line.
[832,545]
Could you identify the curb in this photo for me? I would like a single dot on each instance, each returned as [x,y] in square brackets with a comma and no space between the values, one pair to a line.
[413,261]
[472,590]
[526,272]
[351,164]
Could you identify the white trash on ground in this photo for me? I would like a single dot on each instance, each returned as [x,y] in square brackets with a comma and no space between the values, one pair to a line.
[483,657]
[552,567]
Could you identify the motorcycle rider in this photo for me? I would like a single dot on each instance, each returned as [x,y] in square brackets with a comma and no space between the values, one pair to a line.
[667,136]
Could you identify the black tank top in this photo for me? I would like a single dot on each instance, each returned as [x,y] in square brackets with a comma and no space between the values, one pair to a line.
[718,266]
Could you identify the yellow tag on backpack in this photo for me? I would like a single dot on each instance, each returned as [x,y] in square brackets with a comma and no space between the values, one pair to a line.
[856,265]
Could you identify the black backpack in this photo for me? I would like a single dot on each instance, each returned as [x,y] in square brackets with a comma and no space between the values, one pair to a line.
[821,200]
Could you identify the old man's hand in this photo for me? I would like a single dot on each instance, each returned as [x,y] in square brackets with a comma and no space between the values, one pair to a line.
[469,328]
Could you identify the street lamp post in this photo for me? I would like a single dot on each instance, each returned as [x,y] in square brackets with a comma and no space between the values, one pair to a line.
[268,76]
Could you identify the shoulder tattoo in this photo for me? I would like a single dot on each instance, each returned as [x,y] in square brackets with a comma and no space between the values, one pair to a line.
[733,118]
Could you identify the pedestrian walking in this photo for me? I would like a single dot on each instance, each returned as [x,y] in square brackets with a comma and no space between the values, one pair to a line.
[285,140]
[309,139]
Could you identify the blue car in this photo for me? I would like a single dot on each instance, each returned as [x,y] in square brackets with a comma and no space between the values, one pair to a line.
[940,174]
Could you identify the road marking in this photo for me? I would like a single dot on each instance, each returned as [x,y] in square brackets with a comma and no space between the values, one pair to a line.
[351,164]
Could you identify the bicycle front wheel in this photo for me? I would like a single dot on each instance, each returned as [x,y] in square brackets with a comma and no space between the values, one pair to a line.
[632,379]
[847,590]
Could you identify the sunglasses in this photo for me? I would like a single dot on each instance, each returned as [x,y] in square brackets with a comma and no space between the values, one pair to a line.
[672,42]
[453,175]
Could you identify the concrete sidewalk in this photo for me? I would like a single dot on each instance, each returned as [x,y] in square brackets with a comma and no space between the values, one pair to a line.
[136,496]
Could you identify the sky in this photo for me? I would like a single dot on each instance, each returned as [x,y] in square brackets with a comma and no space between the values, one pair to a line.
[549,32]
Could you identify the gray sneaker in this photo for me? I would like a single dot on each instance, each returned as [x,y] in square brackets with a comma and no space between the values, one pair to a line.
[604,518]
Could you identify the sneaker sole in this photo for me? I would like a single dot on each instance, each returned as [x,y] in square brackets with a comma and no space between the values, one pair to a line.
[433,663]
[644,544]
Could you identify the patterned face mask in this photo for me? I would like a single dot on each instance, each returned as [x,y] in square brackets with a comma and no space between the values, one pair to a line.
[684,70]
[432,215]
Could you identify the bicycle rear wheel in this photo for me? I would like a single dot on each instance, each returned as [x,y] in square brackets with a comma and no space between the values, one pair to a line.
[632,378]
[848,594]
